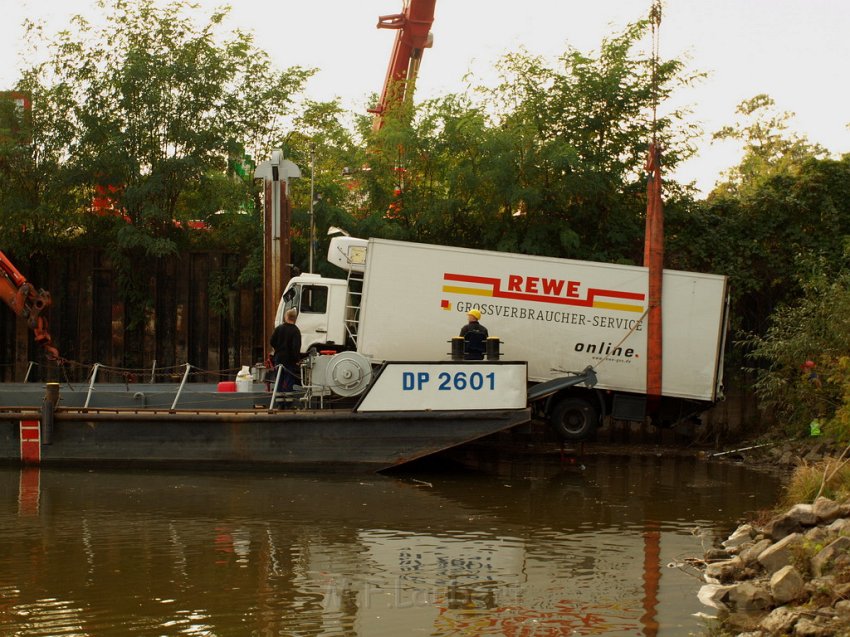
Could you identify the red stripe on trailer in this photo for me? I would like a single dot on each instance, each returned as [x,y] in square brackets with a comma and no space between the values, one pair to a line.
[30,442]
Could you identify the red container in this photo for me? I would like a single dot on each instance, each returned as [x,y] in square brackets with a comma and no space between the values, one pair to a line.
[227,385]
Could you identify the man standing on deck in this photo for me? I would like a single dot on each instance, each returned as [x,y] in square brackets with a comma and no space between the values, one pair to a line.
[474,336]
[286,342]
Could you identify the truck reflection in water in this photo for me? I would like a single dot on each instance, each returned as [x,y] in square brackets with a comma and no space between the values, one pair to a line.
[578,551]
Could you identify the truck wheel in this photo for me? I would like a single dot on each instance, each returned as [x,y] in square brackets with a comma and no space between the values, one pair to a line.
[573,418]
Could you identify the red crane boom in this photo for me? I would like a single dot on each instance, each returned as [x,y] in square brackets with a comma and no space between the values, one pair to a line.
[28,303]
[413,36]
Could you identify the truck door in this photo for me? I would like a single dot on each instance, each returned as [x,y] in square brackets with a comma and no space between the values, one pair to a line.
[312,304]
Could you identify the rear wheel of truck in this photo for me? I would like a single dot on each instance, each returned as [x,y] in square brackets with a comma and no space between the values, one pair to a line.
[573,418]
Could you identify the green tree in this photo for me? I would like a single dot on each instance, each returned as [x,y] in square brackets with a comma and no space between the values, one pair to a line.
[38,197]
[812,327]
[325,149]
[154,106]
[784,201]
[549,161]
[770,148]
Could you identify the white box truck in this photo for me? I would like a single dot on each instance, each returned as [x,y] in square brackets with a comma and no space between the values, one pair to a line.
[406,301]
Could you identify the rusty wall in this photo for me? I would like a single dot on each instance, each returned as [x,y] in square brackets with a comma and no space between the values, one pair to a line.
[183,322]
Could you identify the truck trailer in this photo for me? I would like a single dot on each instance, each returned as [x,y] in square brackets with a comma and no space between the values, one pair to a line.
[580,325]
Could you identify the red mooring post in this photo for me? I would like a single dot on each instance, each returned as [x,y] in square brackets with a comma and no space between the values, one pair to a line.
[653,258]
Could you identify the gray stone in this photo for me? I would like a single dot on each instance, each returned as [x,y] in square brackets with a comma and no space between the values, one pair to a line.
[742,534]
[819,535]
[782,526]
[786,585]
[826,510]
[803,513]
[807,627]
[748,596]
[821,585]
[725,570]
[752,552]
[780,621]
[841,526]
[826,560]
[842,607]
[714,595]
[715,554]
[778,555]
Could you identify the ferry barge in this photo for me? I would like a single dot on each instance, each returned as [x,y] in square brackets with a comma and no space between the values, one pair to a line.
[398,413]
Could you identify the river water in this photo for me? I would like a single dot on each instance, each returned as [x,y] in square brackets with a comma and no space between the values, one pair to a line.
[593,547]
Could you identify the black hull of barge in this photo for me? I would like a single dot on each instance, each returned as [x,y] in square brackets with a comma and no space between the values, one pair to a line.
[320,440]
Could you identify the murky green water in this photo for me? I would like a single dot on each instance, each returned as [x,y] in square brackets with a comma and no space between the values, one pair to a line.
[581,549]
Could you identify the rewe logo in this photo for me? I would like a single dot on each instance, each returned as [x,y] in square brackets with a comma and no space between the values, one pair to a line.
[543,290]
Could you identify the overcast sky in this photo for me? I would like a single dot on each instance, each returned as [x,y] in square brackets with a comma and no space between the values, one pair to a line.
[797,51]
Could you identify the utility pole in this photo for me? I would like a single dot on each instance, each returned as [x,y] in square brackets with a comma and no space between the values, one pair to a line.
[312,200]
[276,174]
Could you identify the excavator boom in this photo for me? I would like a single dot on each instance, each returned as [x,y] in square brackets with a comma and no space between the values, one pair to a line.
[28,303]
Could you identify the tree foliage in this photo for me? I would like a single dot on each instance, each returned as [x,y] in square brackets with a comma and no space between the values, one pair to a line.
[812,327]
[150,111]
[150,105]
[549,161]
[38,195]
[770,148]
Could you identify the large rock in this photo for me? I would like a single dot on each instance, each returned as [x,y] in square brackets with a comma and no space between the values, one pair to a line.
[716,554]
[834,555]
[803,513]
[786,585]
[780,621]
[751,554]
[714,595]
[778,555]
[826,510]
[819,535]
[794,520]
[841,526]
[782,526]
[748,596]
[821,586]
[807,627]
[724,571]
[742,535]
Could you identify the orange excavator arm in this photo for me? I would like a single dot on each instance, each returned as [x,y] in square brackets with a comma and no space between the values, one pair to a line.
[413,36]
[28,303]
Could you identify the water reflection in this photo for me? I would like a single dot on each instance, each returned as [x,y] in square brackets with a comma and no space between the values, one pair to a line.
[551,550]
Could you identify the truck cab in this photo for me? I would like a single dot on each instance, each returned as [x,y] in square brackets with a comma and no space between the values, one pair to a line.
[321,305]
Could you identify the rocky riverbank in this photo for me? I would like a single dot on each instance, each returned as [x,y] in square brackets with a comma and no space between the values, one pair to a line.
[780,457]
[789,575]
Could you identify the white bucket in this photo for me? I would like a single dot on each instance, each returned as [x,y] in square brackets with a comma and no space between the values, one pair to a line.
[244,380]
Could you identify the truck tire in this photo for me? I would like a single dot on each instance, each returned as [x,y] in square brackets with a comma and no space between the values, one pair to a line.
[573,418]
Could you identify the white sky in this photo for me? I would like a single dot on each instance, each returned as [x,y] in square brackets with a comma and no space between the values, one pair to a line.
[797,51]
